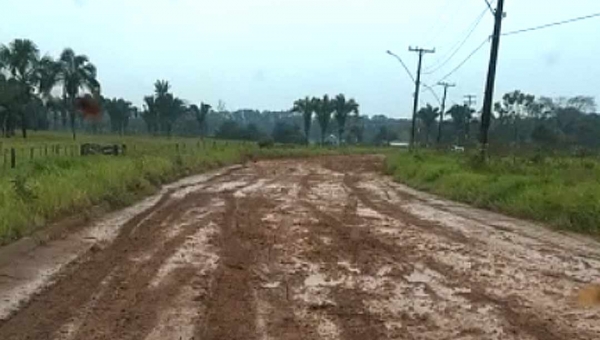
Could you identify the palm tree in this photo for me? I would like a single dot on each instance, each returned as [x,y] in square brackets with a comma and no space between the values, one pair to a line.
[76,72]
[324,108]
[200,113]
[170,109]
[342,109]
[119,111]
[461,118]
[162,102]
[21,58]
[150,114]
[48,72]
[306,107]
[428,115]
[161,88]
[9,93]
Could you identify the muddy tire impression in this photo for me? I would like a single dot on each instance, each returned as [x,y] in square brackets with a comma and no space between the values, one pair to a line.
[326,248]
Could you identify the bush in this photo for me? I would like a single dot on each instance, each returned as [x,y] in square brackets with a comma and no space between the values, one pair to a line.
[266,143]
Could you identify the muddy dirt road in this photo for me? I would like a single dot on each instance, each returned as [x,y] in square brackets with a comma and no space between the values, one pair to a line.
[311,249]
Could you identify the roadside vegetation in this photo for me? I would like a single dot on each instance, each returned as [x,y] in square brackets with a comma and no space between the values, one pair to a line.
[561,191]
[46,188]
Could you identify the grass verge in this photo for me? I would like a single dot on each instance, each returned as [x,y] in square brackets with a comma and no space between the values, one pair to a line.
[561,192]
[44,189]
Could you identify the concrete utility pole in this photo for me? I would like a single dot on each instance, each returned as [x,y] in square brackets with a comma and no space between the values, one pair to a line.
[470,99]
[486,114]
[446,86]
[421,51]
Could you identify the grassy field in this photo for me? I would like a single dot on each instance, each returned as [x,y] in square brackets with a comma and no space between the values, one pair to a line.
[562,192]
[49,186]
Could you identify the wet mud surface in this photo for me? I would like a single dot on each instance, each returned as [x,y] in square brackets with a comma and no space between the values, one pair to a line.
[326,248]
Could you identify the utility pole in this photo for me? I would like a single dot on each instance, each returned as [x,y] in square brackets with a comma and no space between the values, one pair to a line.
[446,86]
[470,99]
[486,114]
[421,51]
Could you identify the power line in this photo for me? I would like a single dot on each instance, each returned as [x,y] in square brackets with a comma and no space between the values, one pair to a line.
[442,24]
[558,23]
[438,19]
[489,6]
[458,46]
[464,61]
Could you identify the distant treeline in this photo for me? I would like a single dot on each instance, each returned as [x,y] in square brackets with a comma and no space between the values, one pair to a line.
[40,92]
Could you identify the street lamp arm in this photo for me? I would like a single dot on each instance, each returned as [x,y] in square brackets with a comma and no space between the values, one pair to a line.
[403,65]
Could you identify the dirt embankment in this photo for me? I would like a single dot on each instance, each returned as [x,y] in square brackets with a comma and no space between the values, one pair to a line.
[314,249]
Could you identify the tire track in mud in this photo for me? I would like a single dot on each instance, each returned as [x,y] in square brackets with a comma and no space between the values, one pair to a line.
[517,317]
[290,250]
[124,295]
[357,248]
[231,309]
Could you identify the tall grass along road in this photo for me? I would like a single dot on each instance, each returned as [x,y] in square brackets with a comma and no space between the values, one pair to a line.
[322,248]
[560,191]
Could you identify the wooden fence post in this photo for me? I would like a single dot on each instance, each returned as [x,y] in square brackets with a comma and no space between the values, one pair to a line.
[31,150]
[13,158]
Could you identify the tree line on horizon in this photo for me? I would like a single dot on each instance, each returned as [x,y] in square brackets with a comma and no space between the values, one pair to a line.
[519,120]
[39,93]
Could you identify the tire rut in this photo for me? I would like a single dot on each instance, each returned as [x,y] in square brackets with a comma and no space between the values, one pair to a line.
[78,283]
[231,309]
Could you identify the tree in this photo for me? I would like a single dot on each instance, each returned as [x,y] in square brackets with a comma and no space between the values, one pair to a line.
[287,133]
[324,108]
[9,93]
[200,114]
[585,104]
[461,118]
[230,129]
[48,73]
[515,106]
[76,73]
[150,114]
[357,130]
[428,115]
[384,136]
[342,109]
[306,107]
[544,135]
[162,109]
[173,108]
[21,58]
[119,111]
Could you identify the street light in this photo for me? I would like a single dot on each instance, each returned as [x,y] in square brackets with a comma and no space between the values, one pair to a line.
[414,82]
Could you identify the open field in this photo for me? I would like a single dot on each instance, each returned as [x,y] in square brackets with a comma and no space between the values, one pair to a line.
[560,191]
[322,248]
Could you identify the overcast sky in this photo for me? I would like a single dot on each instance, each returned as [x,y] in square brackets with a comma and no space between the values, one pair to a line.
[264,54]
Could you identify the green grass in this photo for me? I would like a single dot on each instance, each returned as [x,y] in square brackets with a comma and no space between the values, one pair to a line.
[561,192]
[47,188]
